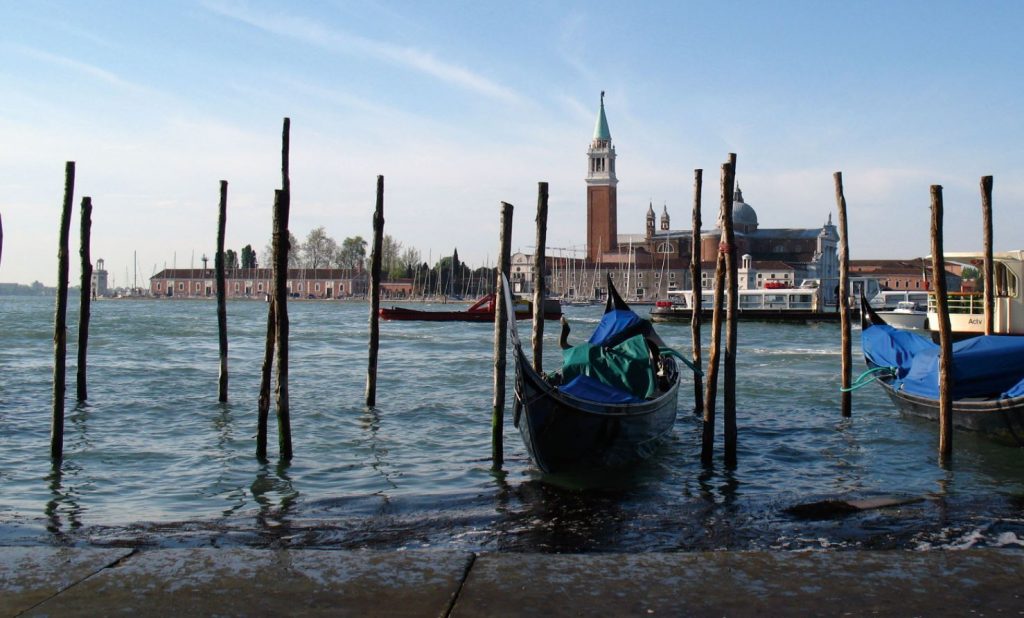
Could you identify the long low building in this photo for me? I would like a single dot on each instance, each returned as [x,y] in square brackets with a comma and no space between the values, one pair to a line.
[257,283]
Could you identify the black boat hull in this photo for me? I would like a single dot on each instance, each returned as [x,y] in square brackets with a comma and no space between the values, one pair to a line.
[566,434]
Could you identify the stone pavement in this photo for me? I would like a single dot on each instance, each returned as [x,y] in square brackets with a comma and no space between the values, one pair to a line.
[49,581]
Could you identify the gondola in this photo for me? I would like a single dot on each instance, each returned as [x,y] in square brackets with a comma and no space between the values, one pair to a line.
[987,376]
[581,425]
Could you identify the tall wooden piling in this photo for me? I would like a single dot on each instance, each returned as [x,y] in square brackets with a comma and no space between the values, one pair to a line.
[696,287]
[732,309]
[281,250]
[268,364]
[85,302]
[986,218]
[714,352]
[222,310]
[500,337]
[60,332]
[945,332]
[539,281]
[846,397]
[375,264]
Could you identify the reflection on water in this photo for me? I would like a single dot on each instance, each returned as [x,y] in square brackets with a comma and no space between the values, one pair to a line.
[152,458]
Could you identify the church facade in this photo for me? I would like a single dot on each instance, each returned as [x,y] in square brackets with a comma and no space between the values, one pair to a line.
[646,266]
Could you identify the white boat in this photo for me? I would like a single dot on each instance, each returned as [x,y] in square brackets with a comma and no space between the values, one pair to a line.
[801,304]
[906,316]
[967,309]
[887,300]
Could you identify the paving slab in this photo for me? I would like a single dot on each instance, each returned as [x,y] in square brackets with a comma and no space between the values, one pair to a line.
[901,583]
[254,582]
[31,575]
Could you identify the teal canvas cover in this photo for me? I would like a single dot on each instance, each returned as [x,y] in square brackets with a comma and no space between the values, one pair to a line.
[625,368]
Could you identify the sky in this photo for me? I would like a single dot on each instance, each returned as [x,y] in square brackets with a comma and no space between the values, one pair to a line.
[462,105]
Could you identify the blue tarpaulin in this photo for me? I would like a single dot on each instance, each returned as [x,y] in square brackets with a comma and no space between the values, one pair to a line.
[618,325]
[984,366]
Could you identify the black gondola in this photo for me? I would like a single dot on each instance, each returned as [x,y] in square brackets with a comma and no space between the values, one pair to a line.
[567,433]
[991,405]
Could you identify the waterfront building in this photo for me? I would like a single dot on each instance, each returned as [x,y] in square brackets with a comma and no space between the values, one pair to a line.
[322,283]
[99,284]
[644,267]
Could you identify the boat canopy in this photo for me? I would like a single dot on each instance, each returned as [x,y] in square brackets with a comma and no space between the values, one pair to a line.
[615,365]
[985,366]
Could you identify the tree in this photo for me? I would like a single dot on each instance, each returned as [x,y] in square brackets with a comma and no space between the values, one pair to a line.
[248,257]
[230,259]
[319,249]
[352,253]
[409,261]
[390,249]
[294,252]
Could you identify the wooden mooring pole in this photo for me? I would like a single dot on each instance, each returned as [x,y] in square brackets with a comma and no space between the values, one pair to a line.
[281,249]
[60,331]
[222,310]
[945,334]
[696,287]
[539,281]
[85,301]
[375,264]
[846,397]
[714,353]
[268,364]
[731,433]
[986,218]
[500,337]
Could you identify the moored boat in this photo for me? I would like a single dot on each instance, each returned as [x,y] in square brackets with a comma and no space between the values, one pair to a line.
[582,418]
[906,316]
[763,304]
[967,310]
[481,311]
[987,376]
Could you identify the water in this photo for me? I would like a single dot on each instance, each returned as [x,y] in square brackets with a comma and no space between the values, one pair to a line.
[153,459]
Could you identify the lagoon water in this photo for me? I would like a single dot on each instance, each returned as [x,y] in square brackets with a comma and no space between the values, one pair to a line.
[153,459]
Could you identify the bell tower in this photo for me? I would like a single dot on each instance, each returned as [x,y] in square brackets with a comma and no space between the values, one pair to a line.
[602,205]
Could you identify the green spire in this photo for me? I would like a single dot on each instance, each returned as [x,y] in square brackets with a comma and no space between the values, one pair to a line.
[601,131]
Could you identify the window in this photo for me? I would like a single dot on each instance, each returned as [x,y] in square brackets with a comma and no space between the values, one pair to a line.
[671,276]
[157,286]
[259,287]
[181,286]
[318,287]
[236,286]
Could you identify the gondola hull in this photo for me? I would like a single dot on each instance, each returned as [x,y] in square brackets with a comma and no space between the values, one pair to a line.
[566,434]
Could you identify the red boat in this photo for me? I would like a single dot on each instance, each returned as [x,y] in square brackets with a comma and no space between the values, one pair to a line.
[481,311]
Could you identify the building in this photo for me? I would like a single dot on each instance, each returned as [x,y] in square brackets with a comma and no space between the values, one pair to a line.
[914,274]
[256,283]
[99,284]
[645,267]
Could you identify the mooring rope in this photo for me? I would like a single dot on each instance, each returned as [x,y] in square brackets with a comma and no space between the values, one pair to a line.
[867,377]
[670,352]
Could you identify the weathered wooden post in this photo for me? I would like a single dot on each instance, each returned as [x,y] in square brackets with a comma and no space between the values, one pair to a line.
[222,310]
[85,302]
[281,249]
[268,364]
[986,217]
[60,332]
[846,396]
[539,281]
[697,288]
[732,306]
[500,337]
[375,264]
[714,353]
[945,332]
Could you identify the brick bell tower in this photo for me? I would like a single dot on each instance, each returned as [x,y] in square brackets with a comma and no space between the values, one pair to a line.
[602,205]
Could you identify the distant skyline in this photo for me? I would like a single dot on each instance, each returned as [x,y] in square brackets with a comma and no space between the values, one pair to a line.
[462,105]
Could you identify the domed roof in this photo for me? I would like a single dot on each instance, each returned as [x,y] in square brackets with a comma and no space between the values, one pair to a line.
[742,212]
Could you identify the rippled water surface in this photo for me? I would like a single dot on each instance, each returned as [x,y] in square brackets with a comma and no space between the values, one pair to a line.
[154,459]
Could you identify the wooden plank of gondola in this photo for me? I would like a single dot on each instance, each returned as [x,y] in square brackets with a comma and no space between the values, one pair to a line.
[539,282]
[730,433]
[945,334]
[60,332]
[846,398]
[222,311]
[986,218]
[696,288]
[714,352]
[500,337]
[376,258]
[85,300]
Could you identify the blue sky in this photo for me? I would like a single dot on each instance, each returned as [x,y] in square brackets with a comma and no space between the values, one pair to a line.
[462,105]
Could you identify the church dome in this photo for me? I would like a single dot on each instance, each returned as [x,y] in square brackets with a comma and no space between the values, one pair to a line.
[743,214]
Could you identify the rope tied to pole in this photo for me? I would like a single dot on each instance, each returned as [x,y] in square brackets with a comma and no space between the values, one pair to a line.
[869,376]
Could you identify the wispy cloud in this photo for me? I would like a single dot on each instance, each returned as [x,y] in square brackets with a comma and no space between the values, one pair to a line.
[78,66]
[313,33]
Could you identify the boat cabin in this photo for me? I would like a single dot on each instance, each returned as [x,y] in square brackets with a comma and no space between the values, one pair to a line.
[967,309]
[769,299]
[887,300]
